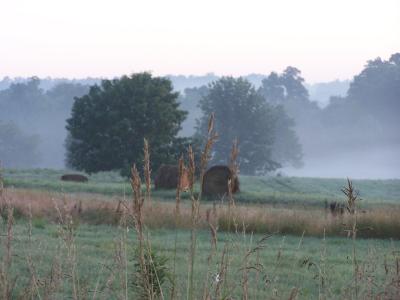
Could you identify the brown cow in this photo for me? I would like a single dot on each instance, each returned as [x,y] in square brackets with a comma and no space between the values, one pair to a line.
[167,177]
[215,181]
[74,177]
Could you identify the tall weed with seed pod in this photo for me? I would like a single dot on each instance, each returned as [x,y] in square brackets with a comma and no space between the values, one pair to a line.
[195,200]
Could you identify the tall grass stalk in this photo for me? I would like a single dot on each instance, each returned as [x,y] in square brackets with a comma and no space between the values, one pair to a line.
[151,266]
[195,200]
[234,168]
[7,282]
[147,172]
[352,199]
[137,215]
[211,216]
[33,289]
[1,181]
[66,231]
[181,166]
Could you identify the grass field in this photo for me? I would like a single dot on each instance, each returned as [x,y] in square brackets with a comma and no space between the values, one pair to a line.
[321,268]
[266,190]
[72,240]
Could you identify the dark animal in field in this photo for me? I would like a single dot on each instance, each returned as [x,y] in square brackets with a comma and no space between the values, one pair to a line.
[167,177]
[74,177]
[215,181]
[336,208]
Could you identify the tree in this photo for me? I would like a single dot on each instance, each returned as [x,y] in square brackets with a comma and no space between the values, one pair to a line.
[62,95]
[108,125]
[189,101]
[373,102]
[286,149]
[376,90]
[17,149]
[287,89]
[243,114]
[23,103]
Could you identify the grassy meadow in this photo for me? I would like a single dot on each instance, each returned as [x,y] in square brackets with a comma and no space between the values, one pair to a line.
[275,241]
[273,190]
[321,268]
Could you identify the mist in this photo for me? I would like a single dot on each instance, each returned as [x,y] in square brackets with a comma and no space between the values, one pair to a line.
[33,111]
[346,128]
[372,163]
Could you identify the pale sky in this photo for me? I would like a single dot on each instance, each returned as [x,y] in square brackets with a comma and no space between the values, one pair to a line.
[325,39]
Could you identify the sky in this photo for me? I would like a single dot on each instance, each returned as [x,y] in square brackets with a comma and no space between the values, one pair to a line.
[326,40]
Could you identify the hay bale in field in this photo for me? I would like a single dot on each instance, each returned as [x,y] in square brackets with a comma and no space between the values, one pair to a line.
[74,177]
[215,181]
[167,177]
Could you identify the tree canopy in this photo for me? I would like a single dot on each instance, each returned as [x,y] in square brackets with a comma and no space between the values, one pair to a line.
[243,114]
[373,102]
[287,89]
[108,125]
[376,90]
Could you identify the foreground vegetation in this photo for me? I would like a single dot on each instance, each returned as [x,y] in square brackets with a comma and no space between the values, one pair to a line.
[96,262]
[51,249]
[95,209]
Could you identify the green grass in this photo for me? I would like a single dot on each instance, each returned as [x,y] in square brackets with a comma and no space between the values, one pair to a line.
[320,268]
[272,190]
[284,263]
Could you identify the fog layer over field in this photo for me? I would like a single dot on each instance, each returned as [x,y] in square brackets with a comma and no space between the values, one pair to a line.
[346,128]
[373,162]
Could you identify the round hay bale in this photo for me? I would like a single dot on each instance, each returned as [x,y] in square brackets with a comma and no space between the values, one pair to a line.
[167,177]
[215,181]
[74,177]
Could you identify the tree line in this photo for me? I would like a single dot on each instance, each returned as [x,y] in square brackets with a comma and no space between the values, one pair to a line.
[275,123]
[364,119]
[35,118]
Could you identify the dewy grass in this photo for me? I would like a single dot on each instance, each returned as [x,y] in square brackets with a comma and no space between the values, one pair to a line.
[96,262]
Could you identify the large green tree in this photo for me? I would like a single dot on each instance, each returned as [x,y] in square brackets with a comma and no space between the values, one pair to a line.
[108,125]
[243,114]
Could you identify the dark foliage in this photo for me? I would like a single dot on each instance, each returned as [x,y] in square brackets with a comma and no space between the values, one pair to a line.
[108,125]
[148,284]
